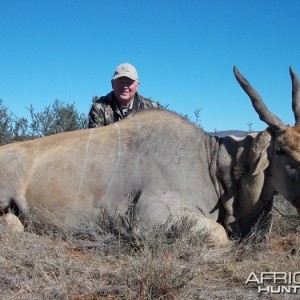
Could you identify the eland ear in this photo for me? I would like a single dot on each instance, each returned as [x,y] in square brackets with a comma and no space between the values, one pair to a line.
[258,156]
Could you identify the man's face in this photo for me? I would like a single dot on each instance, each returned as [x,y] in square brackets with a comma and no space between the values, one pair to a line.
[124,89]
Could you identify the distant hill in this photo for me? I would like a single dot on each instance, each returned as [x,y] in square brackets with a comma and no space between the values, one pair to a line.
[239,133]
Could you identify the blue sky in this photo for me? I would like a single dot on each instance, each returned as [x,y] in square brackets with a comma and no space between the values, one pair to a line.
[184,52]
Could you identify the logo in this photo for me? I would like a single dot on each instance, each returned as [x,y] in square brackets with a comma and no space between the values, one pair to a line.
[275,282]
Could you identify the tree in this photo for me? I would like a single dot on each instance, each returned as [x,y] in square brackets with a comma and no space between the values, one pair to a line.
[56,118]
[249,124]
[197,114]
[6,124]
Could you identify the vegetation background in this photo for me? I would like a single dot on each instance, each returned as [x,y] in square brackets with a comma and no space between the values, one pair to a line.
[55,118]
[59,117]
[105,261]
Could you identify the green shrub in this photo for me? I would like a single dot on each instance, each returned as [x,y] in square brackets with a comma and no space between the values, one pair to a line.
[55,118]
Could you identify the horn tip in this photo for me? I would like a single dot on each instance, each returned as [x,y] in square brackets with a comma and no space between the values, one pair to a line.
[235,71]
[293,74]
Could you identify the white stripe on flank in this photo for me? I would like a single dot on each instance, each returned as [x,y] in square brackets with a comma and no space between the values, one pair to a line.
[137,152]
[84,166]
[118,160]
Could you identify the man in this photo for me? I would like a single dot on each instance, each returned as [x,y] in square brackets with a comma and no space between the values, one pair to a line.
[122,101]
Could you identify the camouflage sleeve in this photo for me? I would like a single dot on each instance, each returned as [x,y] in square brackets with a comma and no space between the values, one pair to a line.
[149,104]
[156,105]
[96,116]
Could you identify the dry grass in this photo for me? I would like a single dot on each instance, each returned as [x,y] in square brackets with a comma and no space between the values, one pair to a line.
[104,261]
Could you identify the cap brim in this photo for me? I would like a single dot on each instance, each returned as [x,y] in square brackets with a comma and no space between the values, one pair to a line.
[125,75]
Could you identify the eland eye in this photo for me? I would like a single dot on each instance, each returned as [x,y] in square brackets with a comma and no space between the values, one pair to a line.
[279,151]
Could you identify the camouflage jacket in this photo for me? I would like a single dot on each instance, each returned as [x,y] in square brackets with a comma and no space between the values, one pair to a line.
[107,110]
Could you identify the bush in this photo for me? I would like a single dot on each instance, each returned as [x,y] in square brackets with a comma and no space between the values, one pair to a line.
[55,118]
[6,124]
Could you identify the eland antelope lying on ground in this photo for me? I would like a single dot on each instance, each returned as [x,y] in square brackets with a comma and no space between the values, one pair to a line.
[157,166]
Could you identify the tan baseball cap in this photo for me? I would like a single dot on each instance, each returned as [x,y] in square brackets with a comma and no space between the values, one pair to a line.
[126,70]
